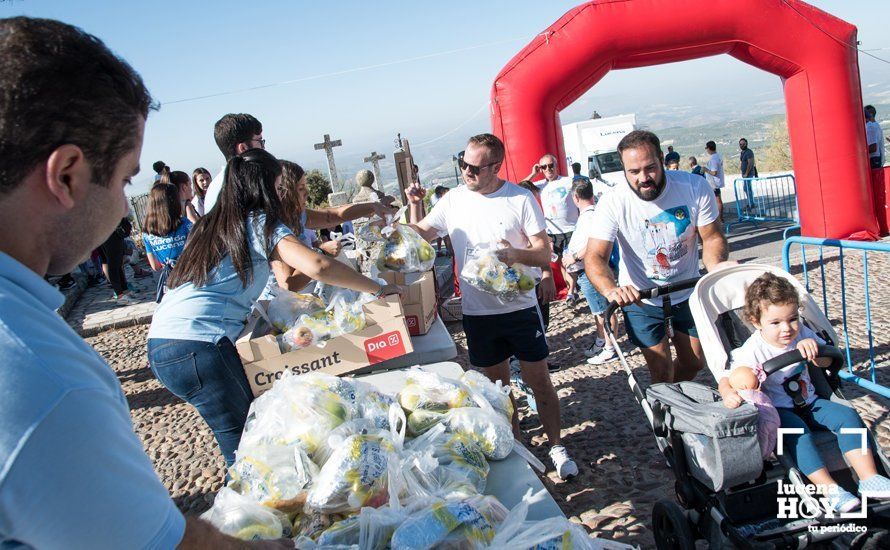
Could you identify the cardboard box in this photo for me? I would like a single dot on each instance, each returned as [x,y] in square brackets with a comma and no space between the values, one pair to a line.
[419,301]
[385,337]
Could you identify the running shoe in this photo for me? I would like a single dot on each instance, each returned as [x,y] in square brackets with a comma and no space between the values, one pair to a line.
[565,466]
[604,356]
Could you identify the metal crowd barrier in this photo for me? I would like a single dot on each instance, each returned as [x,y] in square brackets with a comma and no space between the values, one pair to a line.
[139,203]
[767,199]
[871,382]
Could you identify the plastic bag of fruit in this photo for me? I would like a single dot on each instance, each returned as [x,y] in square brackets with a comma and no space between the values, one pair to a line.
[484,271]
[286,307]
[243,518]
[451,524]
[405,251]
[427,396]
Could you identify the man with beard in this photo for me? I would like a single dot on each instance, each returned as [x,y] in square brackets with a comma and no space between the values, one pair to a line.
[658,220]
[489,211]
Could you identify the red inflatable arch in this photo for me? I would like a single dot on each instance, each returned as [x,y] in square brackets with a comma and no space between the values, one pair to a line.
[813,52]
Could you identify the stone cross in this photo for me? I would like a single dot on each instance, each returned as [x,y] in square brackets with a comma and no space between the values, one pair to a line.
[375,159]
[328,147]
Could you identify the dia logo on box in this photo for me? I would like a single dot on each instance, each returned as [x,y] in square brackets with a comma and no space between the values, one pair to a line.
[383,347]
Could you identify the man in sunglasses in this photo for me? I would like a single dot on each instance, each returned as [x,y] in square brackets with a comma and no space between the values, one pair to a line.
[489,211]
[560,211]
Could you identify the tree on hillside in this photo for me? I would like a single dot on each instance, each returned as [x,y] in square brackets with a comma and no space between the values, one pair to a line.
[777,155]
[319,188]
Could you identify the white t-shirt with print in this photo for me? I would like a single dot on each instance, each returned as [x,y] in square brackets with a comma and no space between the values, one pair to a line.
[757,351]
[658,239]
[559,209]
[472,219]
[715,164]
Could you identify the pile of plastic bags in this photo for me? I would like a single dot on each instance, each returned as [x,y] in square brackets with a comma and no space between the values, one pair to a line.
[304,320]
[333,463]
[484,271]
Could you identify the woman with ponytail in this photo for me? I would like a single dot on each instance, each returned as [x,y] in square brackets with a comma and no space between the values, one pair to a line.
[218,276]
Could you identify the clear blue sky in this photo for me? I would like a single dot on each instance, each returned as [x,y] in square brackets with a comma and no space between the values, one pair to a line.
[186,49]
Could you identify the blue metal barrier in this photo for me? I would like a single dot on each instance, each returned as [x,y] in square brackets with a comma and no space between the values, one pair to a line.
[767,199]
[865,247]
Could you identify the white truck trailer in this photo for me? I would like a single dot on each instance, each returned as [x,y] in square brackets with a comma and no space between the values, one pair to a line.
[594,144]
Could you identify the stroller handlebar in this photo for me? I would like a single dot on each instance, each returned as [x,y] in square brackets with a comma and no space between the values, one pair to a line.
[648,294]
[794,356]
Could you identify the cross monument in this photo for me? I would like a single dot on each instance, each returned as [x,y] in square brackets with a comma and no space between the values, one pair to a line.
[338,196]
[375,159]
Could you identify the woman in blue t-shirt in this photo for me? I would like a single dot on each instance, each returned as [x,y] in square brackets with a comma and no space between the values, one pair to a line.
[165,227]
[217,278]
[166,231]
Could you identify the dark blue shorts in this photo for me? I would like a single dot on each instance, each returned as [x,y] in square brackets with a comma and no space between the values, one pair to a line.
[645,323]
[492,339]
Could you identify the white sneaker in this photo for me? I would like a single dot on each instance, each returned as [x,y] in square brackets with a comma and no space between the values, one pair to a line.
[126,300]
[604,356]
[565,466]
[595,348]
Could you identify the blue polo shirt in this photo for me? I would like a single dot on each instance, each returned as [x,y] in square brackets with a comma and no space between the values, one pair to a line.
[219,308]
[73,473]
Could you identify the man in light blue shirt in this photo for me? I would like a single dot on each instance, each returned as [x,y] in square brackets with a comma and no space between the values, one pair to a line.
[73,473]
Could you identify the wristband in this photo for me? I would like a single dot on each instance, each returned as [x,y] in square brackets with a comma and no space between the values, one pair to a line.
[379,293]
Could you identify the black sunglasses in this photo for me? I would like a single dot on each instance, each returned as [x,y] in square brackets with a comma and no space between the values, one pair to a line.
[548,166]
[473,170]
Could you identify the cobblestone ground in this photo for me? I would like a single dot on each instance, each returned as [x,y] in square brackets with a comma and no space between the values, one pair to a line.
[622,473]
[96,309]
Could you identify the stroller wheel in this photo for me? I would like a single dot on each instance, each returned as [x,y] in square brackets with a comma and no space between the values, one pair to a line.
[684,494]
[670,526]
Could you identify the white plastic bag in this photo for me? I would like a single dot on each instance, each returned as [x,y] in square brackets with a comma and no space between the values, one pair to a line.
[486,427]
[286,307]
[556,533]
[484,271]
[371,529]
[245,519]
[405,251]
[379,408]
[461,467]
[308,330]
[344,314]
[494,393]
[276,476]
[450,524]
[427,396]
[358,473]
[300,410]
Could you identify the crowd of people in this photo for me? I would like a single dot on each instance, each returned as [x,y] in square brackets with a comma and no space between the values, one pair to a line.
[71,466]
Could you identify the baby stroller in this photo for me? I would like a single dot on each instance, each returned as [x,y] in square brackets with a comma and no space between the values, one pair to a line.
[727,494]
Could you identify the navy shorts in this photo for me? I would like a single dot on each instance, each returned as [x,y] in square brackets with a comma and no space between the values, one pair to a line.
[561,242]
[645,323]
[492,339]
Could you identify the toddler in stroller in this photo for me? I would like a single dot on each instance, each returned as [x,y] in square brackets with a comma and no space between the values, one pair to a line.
[772,307]
[726,493]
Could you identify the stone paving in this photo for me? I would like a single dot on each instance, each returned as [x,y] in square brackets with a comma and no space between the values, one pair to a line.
[96,309]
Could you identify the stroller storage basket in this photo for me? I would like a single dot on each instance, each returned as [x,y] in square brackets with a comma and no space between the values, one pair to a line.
[720,444]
